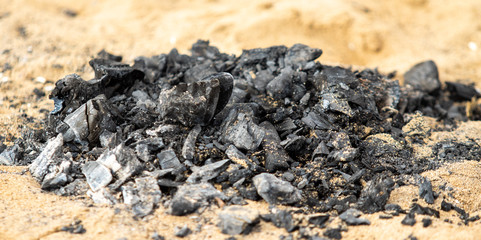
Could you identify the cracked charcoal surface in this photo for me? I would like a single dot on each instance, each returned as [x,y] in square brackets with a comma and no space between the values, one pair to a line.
[272,124]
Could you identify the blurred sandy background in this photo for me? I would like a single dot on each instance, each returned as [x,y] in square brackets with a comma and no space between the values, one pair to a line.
[41,41]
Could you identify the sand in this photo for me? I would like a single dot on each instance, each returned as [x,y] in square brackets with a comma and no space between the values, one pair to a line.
[42,43]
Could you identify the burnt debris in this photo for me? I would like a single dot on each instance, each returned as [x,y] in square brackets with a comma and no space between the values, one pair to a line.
[188,131]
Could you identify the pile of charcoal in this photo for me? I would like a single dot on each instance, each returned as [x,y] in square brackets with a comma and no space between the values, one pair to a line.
[273,124]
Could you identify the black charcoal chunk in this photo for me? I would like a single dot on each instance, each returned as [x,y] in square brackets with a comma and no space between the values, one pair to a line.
[188,150]
[248,192]
[293,143]
[461,92]
[316,121]
[274,190]
[2,145]
[384,151]
[9,155]
[286,125]
[473,218]
[156,236]
[48,157]
[168,159]
[356,176]
[427,222]
[87,121]
[426,190]
[72,91]
[394,209]
[75,227]
[182,231]
[446,206]
[40,93]
[299,55]
[261,80]
[102,196]
[143,153]
[58,176]
[376,194]
[159,173]
[276,157]
[122,162]
[321,149]
[280,87]
[114,76]
[255,56]
[207,172]
[281,219]
[409,220]
[333,233]
[198,102]
[143,196]
[165,182]
[75,188]
[111,78]
[146,148]
[240,158]
[336,103]
[239,129]
[143,99]
[199,71]
[318,219]
[333,76]
[352,217]
[343,155]
[108,139]
[189,198]
[97,175]
[288,176]
[57,105]
[202,49]
[423,76]
[109,56]
[234,220]
[237,200]
[416,208]
[235,174]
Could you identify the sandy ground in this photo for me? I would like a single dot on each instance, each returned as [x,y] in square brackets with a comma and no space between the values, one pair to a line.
[40,43]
